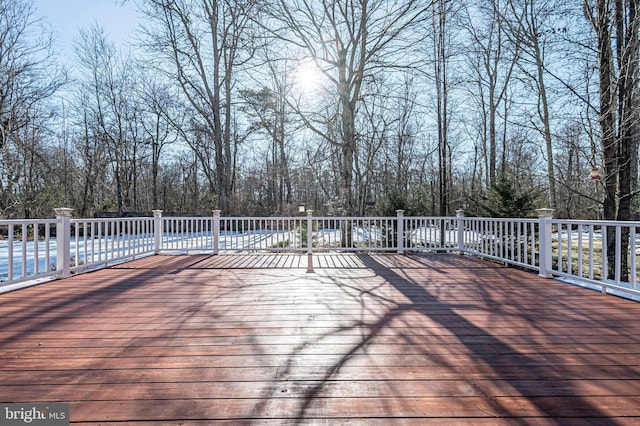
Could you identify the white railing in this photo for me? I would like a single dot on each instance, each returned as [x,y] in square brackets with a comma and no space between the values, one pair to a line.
[579,253]
[511,241]
[262,234]
[184,234]
[33,250]
[98,242]
[430,234]
[328,233]
[27,249]
[572,250]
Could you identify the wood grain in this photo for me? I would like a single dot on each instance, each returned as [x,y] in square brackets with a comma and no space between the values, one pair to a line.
[365,339]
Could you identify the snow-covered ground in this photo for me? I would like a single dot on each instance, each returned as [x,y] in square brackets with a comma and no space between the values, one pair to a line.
[25,254]
[40,257]
[99,250]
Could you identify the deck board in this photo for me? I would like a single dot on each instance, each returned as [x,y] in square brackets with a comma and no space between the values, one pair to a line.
[364,339]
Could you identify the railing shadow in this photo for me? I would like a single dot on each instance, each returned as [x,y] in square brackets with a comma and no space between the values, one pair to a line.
[501,363]
[424,292]
[552,367]
[44,315]
[502,358]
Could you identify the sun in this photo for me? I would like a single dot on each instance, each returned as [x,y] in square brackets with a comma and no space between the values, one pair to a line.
[307,77]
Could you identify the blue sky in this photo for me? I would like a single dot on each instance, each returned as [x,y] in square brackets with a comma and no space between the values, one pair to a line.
[69,16]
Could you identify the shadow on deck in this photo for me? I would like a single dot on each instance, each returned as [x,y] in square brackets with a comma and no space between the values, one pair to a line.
[366,339]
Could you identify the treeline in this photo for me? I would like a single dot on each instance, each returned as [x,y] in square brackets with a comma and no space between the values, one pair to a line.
[351,107]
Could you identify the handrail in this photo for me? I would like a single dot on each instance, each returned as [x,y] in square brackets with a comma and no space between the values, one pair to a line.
[28,246]
[572,250]
[31,250]
[580,253]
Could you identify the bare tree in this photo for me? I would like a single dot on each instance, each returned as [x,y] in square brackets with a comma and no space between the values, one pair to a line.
[93,160]
[440,65]
[616,24]
[390,146]
[202,45]
[28,77]
[532,31]
[377,168]
[492,64]
[107,95]
[270,113]
[349,41]
[158,120]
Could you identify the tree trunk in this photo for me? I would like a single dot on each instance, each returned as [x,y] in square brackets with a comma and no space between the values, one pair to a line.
[628,118]
[619,137]
[442,107]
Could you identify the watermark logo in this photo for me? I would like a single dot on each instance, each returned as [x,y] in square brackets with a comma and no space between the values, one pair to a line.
[34,414]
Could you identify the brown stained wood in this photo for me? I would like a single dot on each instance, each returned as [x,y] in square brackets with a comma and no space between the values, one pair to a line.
[49,349]
[505,376]
[332,389]
[364,339]
[535,421]
[358,408]
[324,362]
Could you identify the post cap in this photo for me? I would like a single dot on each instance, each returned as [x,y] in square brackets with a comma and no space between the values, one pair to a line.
[544,213]
[63,212]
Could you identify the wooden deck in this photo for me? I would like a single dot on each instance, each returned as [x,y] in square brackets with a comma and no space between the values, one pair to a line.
[366,339]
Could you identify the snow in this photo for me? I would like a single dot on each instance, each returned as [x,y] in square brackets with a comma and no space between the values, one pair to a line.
[94,252]
[98,250]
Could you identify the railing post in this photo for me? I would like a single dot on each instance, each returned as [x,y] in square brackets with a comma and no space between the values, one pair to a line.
[460,227]
[157,231]
[400,227]
[216,231]
[546,248]
[310,241]
[63,242]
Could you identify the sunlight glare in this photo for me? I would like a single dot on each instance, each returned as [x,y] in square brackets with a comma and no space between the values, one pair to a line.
[308,77]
